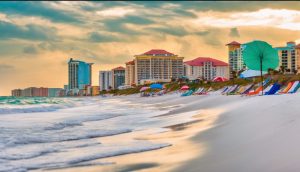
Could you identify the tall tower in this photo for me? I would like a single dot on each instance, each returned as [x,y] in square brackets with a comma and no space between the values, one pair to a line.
[80,74]
[235,59]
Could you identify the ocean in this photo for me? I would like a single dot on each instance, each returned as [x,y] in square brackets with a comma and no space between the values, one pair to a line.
[53,133]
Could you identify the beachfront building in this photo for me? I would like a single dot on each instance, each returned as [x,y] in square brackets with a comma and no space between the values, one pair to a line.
[205,68]
[118,77]
[105,80]
[16,92]
[157,66]
[130,73]
[54,92]
[289,57]
[235,58]
[80,74]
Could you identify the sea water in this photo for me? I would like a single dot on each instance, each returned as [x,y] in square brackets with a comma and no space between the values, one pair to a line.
[50,133]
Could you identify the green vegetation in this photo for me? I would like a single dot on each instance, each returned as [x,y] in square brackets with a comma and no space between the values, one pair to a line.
[282,79]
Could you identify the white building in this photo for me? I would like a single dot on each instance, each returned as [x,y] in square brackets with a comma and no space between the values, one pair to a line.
[105,80]
[205,68]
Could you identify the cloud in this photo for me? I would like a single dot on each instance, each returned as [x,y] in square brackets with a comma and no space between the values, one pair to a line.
[38,9]
[6,68]
[284,19]
[115,12]
[234,32]
[30,32]
[176,31]
[98,37]
[30,50]
[118,25]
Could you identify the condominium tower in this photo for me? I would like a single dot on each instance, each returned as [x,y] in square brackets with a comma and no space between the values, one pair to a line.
[130,73]
[157,66]
[289,57]
[105,80]
[205,68]
[235,59]
[80,74]
[118,77]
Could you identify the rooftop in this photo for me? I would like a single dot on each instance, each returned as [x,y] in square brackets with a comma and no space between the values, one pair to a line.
[119,68]
[130,62]
[200,62]
[233,43]
[154,52]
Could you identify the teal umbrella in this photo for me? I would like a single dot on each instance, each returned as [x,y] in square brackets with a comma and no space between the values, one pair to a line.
[259,55]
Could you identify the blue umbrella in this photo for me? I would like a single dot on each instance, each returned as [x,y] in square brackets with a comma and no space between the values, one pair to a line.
[156,86]
[251,73]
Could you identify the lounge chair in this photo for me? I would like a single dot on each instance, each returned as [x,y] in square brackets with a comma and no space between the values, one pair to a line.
[187,93]
[287,88]
[275,87]
[295,87]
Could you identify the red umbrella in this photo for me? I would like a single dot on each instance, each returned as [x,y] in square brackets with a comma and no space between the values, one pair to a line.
[185,87]
[219,79]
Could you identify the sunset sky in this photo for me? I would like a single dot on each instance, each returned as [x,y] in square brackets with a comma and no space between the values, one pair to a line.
[38,38]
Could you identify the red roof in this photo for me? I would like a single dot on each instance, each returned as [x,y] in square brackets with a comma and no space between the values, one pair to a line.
[233,43]
[130,62]
[157,52]
[119,68]
[200,62]
[291,42]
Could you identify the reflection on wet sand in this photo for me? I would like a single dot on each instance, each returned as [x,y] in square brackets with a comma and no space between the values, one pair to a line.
[165,159]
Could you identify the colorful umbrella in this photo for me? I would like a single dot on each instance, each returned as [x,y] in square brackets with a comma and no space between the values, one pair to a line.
[219,79]
[185,87]
[144,89]
[156,86]
[251,73]
[259,55]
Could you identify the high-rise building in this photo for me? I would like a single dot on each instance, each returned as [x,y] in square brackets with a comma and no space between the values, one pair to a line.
[157,66]
[289,57]
[235,57]
[118,75]
[16,93]
[130,73]
[205,68]
[105,80]
[80,74]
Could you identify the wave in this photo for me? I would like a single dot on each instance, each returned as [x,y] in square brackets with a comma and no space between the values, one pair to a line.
[40,138]
[79,121]
[135,149]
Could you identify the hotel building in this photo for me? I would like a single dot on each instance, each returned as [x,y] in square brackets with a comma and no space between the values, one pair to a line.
[205,68]
[235,57]
[157,66]
[105,80]
[118,77]
[289,57]
[80,74]
[130,73]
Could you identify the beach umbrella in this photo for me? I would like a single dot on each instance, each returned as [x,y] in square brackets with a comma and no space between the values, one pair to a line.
[156,86]
[219,79]
[185,87]
[144,89]
[259,55]
[251,73]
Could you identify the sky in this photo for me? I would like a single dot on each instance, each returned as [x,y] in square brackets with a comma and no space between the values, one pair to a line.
[38,38]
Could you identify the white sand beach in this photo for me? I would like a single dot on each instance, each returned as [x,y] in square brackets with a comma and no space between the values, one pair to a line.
[233,133]
[207,133]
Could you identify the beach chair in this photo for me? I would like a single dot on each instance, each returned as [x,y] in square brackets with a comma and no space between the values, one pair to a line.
[187,93]
[198,90]
[295,87]
[275,87]
[225,89]
[247,89]
[234,90]
[287,88]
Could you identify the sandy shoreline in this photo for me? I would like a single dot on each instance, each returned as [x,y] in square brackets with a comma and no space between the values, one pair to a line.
[229,133]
